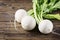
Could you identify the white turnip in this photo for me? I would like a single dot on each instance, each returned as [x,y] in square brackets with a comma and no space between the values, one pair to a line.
[45,26]
[20,14]
[28,23]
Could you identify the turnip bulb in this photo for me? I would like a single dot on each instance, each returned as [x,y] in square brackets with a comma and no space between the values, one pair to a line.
[20,14]
[28,23]
[45,26]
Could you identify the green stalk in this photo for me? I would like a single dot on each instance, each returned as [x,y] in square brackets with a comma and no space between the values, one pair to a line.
[41,8]
[34,9]
[48,16]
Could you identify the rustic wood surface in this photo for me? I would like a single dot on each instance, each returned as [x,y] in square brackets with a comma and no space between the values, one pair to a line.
[7,30]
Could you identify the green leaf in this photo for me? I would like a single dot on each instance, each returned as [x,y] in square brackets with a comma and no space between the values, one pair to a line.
[57,16]
[57,5]
[49,16]
[52,16]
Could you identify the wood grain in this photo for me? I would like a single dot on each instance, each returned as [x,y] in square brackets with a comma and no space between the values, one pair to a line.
[7,29]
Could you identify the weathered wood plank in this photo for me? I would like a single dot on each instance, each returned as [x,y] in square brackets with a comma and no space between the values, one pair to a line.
[2,39]
[11,6]
[7,30]
[1,36]
[9,27]
[32,36]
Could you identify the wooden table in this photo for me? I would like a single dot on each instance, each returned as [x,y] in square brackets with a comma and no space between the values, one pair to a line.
[7,30]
